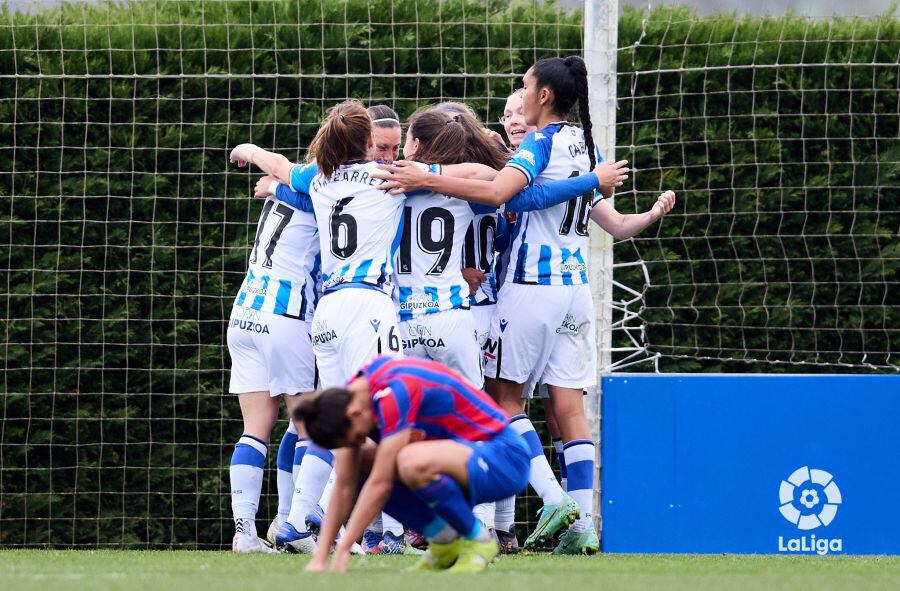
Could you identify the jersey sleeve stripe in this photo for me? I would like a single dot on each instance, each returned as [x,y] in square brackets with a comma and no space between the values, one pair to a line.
[521,169]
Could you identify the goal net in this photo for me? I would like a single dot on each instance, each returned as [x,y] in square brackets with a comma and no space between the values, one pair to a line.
[125,233]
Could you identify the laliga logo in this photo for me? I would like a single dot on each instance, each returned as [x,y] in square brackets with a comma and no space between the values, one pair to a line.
[809,499]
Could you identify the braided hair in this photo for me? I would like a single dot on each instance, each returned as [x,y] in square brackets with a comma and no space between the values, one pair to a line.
[567,78]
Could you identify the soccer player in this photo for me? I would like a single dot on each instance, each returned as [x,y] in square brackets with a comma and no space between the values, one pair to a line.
[448,444]
[358,234]
[271,352]
[543,328]
[385,133]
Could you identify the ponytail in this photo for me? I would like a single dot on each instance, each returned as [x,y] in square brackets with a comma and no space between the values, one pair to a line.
[567,78]
[578,69]
[343,136]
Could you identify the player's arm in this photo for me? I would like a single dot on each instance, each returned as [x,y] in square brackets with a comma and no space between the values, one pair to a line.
[346,480]
[373,496]
[622,226]
[274,165]
[403,176]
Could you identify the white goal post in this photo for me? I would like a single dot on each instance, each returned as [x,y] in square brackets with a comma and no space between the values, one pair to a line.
[600,51]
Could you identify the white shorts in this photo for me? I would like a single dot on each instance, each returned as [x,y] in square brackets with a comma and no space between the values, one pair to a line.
[483,316]
[447,337]
[543,334]
[269,353]
[349,328]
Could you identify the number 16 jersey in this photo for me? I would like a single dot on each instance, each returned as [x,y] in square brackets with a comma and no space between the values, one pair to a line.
[359,224]
[550,246]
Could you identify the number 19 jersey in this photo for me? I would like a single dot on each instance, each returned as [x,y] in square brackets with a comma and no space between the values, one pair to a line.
[359,224]
[429,261]
[550,245]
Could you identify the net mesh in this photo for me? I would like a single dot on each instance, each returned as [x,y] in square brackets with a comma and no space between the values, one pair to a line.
[779,136]
[125,234]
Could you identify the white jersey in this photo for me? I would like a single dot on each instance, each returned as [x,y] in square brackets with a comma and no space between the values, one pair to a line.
[479,254]
[359,224]
[430,257]
[550,245]
[284,262]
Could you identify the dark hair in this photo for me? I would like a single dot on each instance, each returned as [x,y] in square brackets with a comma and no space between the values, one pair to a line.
[479,147]
[567,78]
[449,134]
[343,136]
[324,416]
[387,115]
[442,138]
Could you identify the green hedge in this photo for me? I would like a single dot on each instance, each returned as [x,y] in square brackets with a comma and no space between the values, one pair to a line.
[125,231]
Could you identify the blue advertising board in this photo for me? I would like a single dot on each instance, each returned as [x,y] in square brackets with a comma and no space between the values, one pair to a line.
[767,464]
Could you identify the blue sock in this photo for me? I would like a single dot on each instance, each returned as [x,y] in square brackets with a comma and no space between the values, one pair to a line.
[561,459]
[446,498]
[300,448]
[404,506]
[285,463]
[579,454]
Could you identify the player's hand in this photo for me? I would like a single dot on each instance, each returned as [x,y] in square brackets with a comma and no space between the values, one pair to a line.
[340,559]
[262,187]
[243,153]
[663,205]
[474,277]
[401,176]
[317,565]
[493,135]
[612,174]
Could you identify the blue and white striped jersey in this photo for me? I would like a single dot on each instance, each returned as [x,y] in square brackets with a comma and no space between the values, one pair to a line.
[550,246]
[283,267]
[430,258]
[478,253]
[359,224]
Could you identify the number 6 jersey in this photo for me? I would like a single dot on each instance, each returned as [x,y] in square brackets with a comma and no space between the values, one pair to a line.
[550,246]
[359,224]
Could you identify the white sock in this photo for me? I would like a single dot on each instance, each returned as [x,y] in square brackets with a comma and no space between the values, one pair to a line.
[579,455]
[311,480]
[285,472]
[246,474]
[389,524]
[505,514]
[485,513]
[541,479]
[326,494]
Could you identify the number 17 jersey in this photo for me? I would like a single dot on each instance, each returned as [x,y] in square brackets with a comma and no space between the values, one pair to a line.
[550,245]
[359,224]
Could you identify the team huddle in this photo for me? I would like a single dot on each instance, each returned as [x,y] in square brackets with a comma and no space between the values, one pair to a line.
[426,300]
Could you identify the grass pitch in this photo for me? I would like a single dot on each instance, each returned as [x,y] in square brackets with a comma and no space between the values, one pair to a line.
[47,570]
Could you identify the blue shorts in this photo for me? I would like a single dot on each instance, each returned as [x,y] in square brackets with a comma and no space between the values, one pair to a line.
[498,468]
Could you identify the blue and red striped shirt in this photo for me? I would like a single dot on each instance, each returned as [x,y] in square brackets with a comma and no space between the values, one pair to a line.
[429,397]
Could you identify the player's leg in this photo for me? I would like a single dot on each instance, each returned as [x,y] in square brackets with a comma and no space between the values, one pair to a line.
[249,380]
[292,371]
[555,435]
[450,476]
[260,411]
[571,368]
[284,462]
[371,330]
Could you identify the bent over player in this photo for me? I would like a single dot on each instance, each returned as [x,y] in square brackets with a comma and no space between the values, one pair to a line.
[447,442]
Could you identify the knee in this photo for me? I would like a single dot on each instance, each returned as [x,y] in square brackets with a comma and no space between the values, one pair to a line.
[413,468]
